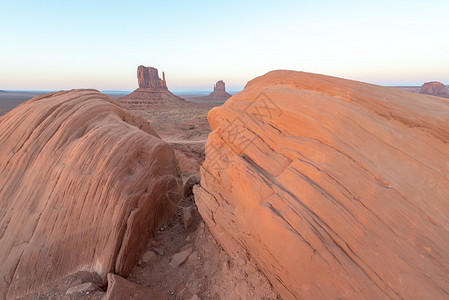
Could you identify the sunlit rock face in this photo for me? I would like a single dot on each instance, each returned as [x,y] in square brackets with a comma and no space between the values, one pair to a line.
[337,188]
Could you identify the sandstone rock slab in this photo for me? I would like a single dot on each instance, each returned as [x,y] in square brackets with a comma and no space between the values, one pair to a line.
[337,188]
[82,184]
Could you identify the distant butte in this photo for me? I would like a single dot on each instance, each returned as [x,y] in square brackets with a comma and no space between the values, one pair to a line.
[434,88]
[148,77]
[152,91]
[219,93]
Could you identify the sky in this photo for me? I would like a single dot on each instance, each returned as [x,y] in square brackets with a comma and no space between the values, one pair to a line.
[53,45]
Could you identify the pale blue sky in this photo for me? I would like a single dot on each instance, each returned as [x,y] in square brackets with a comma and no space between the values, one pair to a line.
[48,45]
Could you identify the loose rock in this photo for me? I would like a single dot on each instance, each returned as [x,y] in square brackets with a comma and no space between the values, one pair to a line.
[179,258]
[195,297]
[119,288]
[82,288]
[148,256]
[190,182]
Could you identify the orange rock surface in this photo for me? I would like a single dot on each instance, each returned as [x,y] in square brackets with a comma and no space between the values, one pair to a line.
[83,183]
[338,189]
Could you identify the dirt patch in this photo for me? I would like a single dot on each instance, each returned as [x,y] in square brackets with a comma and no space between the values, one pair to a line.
[208,272]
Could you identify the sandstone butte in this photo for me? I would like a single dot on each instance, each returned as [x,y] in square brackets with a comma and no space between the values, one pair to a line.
[338,189]
[219,93]
[434,88]
[152,92]
[82,182]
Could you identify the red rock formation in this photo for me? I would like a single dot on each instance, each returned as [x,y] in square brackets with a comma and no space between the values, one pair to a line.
[148,77]
[434,88]
[83,183]
[152,92]
[219,93]
[219,86]
[337,188]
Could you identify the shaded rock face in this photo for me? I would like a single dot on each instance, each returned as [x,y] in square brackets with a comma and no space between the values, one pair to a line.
[148,77]
[434,88]
[152,92]
[83,183]
[220,86]
[219,93]
[337,188]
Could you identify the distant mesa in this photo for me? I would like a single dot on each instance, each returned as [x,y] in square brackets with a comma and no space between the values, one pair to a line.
[152,91]
[434,88]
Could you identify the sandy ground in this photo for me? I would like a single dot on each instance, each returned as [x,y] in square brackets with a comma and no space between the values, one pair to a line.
[208,271]
[9,100]
[413,89]
[186,129]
